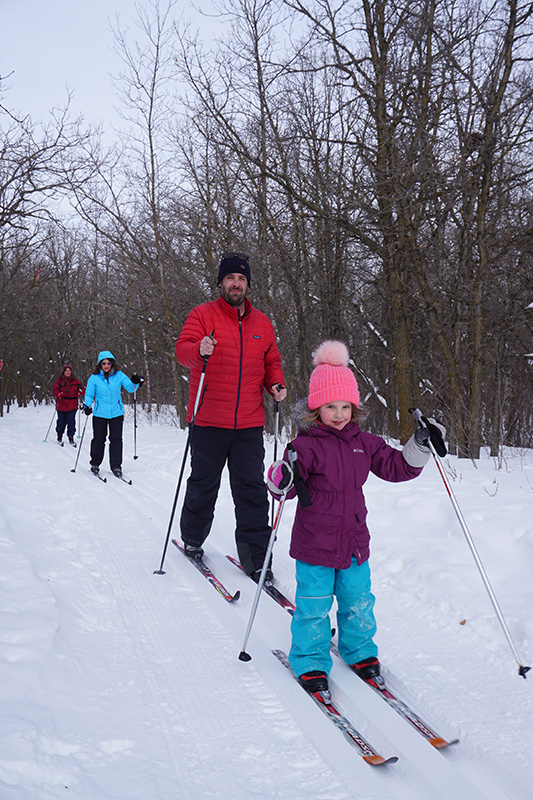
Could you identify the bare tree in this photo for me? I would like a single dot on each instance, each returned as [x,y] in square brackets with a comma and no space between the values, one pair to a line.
[130,201]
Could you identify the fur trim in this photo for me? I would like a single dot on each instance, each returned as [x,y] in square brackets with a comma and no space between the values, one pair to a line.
[300,411]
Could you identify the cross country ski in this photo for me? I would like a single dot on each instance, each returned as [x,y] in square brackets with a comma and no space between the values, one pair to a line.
[365,750]
[202,567]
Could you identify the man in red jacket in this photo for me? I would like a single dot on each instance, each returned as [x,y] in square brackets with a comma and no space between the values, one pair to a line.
[228,428]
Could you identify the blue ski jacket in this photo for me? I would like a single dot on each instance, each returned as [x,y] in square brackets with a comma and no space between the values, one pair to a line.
[105,392]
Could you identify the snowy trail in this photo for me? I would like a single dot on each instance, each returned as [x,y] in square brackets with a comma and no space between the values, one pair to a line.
[118,683]
[182,717]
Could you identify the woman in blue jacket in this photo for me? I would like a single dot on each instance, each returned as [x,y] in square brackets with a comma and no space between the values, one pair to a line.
[103,389]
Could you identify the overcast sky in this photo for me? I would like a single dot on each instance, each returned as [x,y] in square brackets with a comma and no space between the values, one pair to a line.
[49,45]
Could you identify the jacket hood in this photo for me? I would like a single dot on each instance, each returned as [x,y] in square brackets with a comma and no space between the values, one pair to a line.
[105,354]
[300,412]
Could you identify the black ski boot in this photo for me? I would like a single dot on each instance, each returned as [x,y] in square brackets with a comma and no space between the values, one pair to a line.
[71,441]
[193,551]
[316,682]
[367,669]
[269,577]
[117,472]
[95,470]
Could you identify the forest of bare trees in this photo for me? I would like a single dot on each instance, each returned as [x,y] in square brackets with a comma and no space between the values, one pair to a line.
[375,161]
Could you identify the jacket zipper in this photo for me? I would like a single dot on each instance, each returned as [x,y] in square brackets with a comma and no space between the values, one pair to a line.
[240,376]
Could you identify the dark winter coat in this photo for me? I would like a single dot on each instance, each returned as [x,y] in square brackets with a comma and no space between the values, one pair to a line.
[67,391]
[245,361]
[335,465]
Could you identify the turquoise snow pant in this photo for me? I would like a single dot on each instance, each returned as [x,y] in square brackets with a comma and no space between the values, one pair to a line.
[311,626]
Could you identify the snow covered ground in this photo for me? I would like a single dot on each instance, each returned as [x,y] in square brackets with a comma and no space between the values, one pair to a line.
[119,683]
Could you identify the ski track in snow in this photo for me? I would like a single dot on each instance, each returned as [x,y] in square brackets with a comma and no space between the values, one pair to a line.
[119,683]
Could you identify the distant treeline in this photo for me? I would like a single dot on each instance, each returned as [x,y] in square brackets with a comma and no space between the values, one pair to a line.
[375,161]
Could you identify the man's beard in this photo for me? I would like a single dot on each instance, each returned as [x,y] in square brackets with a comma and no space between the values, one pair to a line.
[233,298]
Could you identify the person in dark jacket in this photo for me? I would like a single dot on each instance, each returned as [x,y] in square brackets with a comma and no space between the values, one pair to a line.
[244,360]
[330,539]
[67,389]
[103,389]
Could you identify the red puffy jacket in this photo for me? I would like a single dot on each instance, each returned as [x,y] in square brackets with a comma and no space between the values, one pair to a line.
[67,391]
[245,361]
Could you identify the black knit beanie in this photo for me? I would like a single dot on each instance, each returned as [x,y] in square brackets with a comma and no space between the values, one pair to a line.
[234,263]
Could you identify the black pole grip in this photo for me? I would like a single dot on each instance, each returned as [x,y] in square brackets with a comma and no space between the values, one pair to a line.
[299,483]
[436,438]
[435,435]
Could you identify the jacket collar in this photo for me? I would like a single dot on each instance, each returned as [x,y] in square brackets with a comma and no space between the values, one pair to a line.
[233,312]
[349,430]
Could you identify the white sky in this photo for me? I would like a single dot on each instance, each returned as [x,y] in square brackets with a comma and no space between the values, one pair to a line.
[50,46]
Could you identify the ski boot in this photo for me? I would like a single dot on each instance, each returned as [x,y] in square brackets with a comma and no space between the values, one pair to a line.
[367,669]
[269,577]
[316,682]
[193,551]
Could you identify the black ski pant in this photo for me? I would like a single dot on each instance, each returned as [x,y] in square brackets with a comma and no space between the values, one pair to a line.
[101,427]
[244,453]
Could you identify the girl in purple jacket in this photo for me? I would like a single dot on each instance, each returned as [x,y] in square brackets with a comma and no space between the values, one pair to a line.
[330,539]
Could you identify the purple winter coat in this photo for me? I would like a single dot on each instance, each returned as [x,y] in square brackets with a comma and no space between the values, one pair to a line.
[335,465]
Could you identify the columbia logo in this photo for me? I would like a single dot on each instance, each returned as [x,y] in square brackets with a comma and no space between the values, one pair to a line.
[358,451]
[256,336]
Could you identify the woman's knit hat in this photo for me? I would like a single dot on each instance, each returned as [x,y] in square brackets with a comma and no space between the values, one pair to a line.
[331,378]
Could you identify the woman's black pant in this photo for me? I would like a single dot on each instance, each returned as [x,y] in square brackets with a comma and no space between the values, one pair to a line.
[101,427]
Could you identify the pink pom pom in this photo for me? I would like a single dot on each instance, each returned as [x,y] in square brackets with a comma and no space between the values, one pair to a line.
[331,352]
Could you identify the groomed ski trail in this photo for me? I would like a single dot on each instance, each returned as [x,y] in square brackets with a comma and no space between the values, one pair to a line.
[171,696]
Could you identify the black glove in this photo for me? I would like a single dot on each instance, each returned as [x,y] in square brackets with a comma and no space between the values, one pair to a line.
[137,379]
[434,430]
[88,410]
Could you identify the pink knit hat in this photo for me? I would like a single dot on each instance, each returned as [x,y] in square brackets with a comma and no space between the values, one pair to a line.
[331,379]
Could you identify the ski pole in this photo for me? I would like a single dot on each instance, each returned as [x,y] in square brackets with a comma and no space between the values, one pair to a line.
[161,571]
[81,443]
[48,431]
[276,428]
[522,670]
[135,424]
[243,655]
